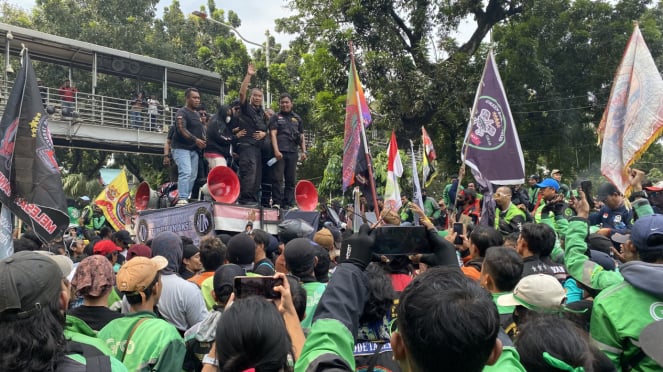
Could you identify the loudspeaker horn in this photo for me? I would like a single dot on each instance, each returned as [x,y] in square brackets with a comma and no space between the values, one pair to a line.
[223,184]
[306,196]
[145,198]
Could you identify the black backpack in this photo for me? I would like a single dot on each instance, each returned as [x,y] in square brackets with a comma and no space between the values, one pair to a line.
[95,360]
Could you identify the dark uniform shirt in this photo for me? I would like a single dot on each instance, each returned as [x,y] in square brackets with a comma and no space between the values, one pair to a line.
[289,127]
[193,124]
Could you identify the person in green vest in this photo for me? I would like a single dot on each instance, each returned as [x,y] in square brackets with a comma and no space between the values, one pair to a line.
[431,208]
[141,340]
[533,191]
[508,217]
[629,299]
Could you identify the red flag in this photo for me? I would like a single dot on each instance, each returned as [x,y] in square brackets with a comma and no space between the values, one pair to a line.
[392,192]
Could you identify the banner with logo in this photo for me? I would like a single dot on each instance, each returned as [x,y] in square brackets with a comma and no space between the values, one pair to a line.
[30,180]
[491,147]
[116,202]
[194,220]
[633,118]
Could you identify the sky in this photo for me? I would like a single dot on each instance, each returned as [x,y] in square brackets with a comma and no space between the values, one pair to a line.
[257,16]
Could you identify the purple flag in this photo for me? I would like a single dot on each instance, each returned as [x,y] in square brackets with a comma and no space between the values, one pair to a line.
[491,147]
[30,182]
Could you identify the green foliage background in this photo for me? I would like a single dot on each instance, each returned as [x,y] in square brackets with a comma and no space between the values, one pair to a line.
[557,59]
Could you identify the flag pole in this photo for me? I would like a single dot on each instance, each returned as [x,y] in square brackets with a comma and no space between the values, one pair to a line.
[367,152]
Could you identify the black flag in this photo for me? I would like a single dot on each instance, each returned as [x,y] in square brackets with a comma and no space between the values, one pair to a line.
[30,181]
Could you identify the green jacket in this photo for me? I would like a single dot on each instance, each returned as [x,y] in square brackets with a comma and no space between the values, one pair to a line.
[558,223]
[578,264]
[510,220]
[78,331]
[314,291]
[431,209]
[614,327]
[330,343]
[155,345]
[509,361]
[622,311]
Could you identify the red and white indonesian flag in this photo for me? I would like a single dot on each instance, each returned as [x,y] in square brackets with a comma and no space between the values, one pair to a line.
[633,118]
[392,193]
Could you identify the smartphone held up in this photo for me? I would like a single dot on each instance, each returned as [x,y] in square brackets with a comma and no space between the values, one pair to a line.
[245,286]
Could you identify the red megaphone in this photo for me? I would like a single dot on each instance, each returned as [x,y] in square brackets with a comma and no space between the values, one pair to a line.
[223,184]
[306,196]
[145,197]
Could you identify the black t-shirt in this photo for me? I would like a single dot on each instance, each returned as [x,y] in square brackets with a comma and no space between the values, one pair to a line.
[95,316]
[193,124]
[288,126]
[252,119]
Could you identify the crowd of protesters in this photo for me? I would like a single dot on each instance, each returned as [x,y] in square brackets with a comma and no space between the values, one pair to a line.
[550,284]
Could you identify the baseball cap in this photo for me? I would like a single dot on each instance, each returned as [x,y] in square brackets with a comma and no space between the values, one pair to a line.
[225,275]
[94,276]
[65,264]
[658,186]
[647,233]
[555,171]
[241,249]
[538,292]
[620,238]
[105,247]
[28,283]
[606,189]
[123,236]
[602,259]
[534,177]
[324,238]
[140,250]
[85,198]
[548,182]
[137,274]
[299,256]
[599,242]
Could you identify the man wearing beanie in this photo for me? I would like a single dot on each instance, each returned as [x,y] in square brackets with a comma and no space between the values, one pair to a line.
[181,302]
[191,264]
[300,260]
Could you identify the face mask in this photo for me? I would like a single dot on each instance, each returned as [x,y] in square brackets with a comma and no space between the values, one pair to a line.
[228,118]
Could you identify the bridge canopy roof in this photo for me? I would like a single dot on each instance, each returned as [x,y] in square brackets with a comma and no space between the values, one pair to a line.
[78,54]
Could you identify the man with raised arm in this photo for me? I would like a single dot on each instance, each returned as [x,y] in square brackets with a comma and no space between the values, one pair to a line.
[615,328]
[251,131]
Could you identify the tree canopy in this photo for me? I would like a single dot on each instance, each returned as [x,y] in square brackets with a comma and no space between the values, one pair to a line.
[557,59]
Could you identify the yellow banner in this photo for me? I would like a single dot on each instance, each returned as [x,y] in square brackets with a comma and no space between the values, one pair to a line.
[115,202]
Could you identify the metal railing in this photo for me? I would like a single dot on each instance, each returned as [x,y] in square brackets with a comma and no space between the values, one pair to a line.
[99,110]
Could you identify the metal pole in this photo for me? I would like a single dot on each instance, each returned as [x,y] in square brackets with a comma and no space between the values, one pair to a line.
[269,95]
